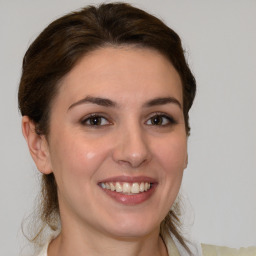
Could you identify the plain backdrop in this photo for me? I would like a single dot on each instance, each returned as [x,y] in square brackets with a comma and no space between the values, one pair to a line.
[220,42]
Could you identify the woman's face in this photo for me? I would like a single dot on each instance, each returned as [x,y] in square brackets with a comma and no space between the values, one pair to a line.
[117,143]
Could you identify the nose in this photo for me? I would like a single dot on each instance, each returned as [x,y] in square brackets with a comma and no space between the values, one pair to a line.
[132,147]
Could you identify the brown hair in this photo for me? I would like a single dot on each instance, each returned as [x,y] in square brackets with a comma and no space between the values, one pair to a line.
[63,43]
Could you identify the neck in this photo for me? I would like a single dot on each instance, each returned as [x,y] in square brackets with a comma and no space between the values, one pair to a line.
[70,243]
[79,237]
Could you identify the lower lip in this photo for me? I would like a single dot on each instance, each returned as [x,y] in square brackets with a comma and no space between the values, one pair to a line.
[133,199]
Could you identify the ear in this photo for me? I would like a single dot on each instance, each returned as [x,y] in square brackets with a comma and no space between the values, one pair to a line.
[37,145]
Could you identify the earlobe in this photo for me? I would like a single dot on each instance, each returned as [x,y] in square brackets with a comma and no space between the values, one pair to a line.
[37,145]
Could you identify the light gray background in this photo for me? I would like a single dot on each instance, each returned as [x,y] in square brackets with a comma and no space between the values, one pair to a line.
[220,181]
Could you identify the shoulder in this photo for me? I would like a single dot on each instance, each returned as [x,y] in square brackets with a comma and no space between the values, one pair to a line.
[213,250]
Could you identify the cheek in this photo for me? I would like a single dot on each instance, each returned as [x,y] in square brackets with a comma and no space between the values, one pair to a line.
[76,166]
[78,158]
[172,155]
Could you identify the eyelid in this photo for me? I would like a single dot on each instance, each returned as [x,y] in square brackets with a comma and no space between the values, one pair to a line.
[170,118]
[93,115]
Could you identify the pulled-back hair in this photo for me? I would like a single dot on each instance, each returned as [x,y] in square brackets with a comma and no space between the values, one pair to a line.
[59,48]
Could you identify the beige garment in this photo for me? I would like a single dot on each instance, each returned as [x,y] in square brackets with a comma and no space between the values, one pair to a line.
[172,250]
[208,250]
[44,251]
[171,247]
[213,250]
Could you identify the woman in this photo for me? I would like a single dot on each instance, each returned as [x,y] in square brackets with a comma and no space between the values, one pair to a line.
[105,94]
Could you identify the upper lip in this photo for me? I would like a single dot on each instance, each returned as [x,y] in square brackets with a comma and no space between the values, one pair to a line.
[129,179]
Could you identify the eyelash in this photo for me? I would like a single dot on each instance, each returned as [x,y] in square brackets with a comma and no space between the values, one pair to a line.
[93,117]
[165,120]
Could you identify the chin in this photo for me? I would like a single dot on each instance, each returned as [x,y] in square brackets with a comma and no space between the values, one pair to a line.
[134,226]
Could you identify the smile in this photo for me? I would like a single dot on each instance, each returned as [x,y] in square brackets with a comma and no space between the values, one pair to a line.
[127,188]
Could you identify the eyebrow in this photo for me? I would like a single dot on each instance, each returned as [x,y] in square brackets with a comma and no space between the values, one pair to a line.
[95,100]
[162,101]
[109,103]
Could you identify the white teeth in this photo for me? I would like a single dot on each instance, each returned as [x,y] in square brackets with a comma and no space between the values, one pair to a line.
[119,187]
[112,187]
[135,188]
[142,186]
[126,188]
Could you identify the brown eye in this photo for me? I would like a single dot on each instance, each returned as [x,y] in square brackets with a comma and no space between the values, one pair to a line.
[95,121]
[160,120]
[157,120]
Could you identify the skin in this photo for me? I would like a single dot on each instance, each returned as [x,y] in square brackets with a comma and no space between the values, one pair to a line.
[123,143]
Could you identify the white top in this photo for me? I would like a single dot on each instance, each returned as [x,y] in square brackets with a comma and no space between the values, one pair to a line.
[44,250]
[203,250]
[172,248]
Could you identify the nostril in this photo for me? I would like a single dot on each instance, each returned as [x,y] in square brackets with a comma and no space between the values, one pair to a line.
[132,148]
[132,162]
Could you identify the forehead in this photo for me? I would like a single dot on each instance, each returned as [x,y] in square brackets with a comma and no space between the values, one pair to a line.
[121,73]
